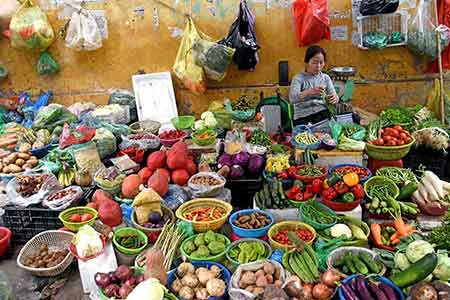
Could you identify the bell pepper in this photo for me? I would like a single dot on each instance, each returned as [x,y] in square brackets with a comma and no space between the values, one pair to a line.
[299,197]
[283,175]
[358,191]
[341,188]
[329,194]
[309,188]
[307,195]
[317,186]
[348,197]
[292,170]
[293,191]
[351,179]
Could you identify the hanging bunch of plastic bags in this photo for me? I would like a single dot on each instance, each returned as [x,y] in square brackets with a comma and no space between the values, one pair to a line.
[242,38]
[30,28]
[214,58]
[422,32]
[377,7]
[46,64]
[312,22]
[185,68]
[83,32]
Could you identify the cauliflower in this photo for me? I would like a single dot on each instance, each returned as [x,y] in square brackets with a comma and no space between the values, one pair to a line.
[207,115]
[341,229]
[211,122]
[199,125]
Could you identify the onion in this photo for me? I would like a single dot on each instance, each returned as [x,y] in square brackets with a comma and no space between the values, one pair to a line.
[124,291]
[130,281]
[293,289]
[307,290]
[139,279]
[102,280]
[123,272]
[113,278]
[330,278]
[111,290]
[321,291]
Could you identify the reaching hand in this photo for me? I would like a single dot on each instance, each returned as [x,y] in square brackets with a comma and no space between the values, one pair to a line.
[333,99]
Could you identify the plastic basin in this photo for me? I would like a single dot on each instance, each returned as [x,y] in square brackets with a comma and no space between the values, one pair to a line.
[215,258]
[388,152]
[5,239]
[250,233]
[361,180]
[183,122]
[339,206]
[128,231]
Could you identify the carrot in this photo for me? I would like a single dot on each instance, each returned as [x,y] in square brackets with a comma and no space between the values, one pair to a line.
[394,237]
[400,227]
[410,229]
[376,233]
[396,241]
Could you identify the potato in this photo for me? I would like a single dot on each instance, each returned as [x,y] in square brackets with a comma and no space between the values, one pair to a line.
[32,162]
[14,168]
[6,170]
[20,162]
[24,156]
[33,158]
[25,167]
[261,281]
[24,148]
[12,156]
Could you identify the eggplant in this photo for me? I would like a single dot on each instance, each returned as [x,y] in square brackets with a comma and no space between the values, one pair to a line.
[349,294]
[377,292]
[388,290]
[362,290]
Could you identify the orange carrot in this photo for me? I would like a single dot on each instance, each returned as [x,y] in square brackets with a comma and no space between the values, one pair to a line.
[400,227]
[396,241]
[394,236]
[376,233]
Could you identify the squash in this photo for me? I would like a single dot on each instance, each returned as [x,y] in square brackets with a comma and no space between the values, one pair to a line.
[130,186]
[180,177]
[156,160]
[159,184]
[145,174]
[164,172]
[177,159]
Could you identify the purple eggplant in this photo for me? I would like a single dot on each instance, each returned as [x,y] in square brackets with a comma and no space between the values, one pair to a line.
[361,289]
[377,292]
[349,294]
[353,284]
[388,290]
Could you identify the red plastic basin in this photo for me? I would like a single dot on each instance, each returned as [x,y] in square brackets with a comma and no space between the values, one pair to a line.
[338,206]
[5,239]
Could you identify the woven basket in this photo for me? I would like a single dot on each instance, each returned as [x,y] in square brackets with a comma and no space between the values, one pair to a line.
[388,152]
[65,215]
[56,240]
[290,225]
[166,211]
[145,126]
[205,202]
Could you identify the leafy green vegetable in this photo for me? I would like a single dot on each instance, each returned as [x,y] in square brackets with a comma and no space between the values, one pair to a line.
[440,236]
[403,116]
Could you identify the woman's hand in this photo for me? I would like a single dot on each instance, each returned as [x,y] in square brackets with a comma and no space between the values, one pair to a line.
[333,99]
[317,91]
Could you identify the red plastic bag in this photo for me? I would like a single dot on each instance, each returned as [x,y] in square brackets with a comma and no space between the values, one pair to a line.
[312,23]
[80,135]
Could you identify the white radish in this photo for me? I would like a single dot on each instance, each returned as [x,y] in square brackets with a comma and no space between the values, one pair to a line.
[416,196]
[446,186]
[435,183]
[423,192]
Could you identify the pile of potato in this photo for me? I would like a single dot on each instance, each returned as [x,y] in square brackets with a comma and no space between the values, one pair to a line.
[256,281]
[45,258]
[18,162]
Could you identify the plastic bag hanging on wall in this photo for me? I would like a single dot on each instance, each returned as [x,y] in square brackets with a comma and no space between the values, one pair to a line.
[30,28]
[46,64]
[242,37]
[83,32]
[311,21]
[376,7]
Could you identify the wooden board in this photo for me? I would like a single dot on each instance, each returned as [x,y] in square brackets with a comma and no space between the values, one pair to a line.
[385,77]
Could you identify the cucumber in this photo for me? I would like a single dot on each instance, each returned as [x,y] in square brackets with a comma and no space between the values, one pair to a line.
[280,190]
[370,263]
[407,191]
[267,195]
[335,178]
[359,265]
[339,262]
[417,272]
[262,198]
[349,264]
[258,201]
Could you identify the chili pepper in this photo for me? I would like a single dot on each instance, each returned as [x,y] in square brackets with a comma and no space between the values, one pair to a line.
[351,179]
[348,197]
[292,170]
[299,197]
[307,195]
[358,191]
[309,188]
[341,188]
[317,186]
[283,175]
[329,194]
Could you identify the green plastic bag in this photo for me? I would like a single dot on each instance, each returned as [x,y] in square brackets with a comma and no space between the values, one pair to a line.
[375,40]
[324,248]
[47,65]
[222,116]
[354,131]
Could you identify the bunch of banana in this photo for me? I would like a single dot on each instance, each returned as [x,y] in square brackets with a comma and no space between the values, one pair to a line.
[28,136]
[66,176]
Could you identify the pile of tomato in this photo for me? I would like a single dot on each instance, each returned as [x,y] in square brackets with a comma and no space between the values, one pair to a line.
[393,136]
[303,233]
[361,172]
[171,134]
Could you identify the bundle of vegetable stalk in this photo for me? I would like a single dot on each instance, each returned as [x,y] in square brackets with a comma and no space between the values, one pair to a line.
[433,137]
[432,195]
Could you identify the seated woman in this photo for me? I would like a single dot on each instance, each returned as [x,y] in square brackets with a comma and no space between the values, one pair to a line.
[307,88]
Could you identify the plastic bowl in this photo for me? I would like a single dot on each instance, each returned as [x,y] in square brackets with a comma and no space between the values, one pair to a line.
[309,179]
[339,206]
[65,215]
[250,233]
[145,126]
[5,239]
[128,230]
[341,251]
[382,279]
[388,152]
[216,258]
[205,142]
[183,122]
[171,142]
[314,224]
[236,243]
[225,276]
[375,179]
[361,180]
[290,225]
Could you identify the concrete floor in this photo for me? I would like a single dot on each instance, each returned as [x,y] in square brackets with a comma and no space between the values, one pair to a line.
[27,287]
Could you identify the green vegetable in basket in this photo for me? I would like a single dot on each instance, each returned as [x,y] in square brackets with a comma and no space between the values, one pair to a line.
[199,240]
[221,238]
[189,247]
[246,252]
[202,251]
[216,247]
[210,236]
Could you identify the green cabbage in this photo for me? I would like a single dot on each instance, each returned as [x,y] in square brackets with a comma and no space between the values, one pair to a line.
[401,261]
[418,249]
[442,270]
[348,144]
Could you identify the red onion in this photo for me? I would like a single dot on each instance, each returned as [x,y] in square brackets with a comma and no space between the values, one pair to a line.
[102,280]
[113,278]
[123,272]
[139,279]
[130,281]
[124,291]
[111,290]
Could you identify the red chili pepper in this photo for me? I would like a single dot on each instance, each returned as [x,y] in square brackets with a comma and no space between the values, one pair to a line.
[358,191]
[329,194]
[292,170]
[307,195]
[341,188]
[299,197]
[317,186]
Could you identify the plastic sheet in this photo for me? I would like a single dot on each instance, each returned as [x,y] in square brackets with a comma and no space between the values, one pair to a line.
[83,32]
[64,202]
[377,7]
[80,135]
[203,190]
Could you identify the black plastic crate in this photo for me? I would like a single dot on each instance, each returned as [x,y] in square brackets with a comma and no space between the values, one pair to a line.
[25,223]
[243,190]
[434,161]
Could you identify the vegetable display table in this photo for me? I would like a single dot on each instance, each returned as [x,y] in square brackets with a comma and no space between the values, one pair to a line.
[333,157]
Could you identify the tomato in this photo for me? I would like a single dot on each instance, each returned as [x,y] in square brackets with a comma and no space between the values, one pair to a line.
[400,143]
[76,218]
[92,205]
[379,142]
[407,140]
[390,143]
[398,127]
[394,133]
[86,217]
[382,131]
[403,135]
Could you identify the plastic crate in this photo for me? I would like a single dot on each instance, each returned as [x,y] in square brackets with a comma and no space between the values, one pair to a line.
[243,191]
[25,223]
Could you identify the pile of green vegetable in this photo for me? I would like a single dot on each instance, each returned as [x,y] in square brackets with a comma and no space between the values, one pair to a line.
[204,245]
[272,196]
[260,137]
[359,263]
[245,252]
[130,241]
[316,212]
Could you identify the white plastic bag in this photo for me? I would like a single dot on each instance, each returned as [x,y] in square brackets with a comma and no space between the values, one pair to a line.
[55,202]
[50,185]
[83,32]
[203,190]
[237,293]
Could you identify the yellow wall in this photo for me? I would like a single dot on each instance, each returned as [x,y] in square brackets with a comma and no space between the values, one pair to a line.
[384,77]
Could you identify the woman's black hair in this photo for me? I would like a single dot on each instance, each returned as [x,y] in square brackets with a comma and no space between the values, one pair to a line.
[313,51]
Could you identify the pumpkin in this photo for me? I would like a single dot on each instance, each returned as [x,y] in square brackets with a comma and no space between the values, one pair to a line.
[159,184]
[156,160]
[145,174]
[130,186]
[180,177]
[177,159]
[179,146]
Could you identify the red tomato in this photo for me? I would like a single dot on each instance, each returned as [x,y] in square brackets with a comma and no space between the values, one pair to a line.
[391,143]
[398,127]
[403,135]
[86,217]
[394,133]
[407,140]
[400,143]
[76,218]
[379,142]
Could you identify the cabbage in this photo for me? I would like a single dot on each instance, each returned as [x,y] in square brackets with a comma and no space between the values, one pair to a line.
[211,122]
[401,261]
[149,289]
[255,163]
[418,249]
[241,159]
[348,144]
[225,160]
[207,115]
[236,172]
[87,241]
[341,229]
[199,125]
[442,270]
